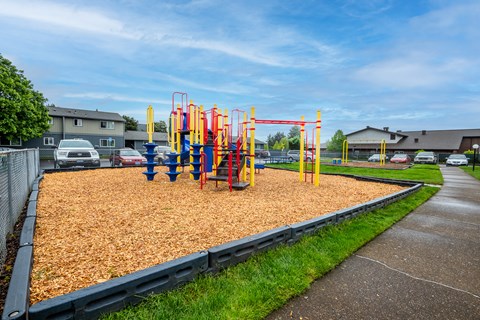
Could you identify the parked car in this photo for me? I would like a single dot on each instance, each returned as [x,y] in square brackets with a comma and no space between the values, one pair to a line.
[75,152]
[426,157]
[294,155]
[161,151]
[400,158]
[376,158]
[262,153]
[457,160]
[127,157]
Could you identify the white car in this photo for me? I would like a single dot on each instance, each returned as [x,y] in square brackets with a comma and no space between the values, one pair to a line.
[426,157]
[75,152]
[457,160]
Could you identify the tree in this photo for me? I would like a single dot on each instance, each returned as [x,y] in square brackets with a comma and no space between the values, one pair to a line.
[294,143]
[294,132]
[23,114]
[336,143]
[160,126]
[130,123]
[275,138]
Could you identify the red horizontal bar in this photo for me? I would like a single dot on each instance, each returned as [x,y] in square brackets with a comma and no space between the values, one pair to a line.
[291,122]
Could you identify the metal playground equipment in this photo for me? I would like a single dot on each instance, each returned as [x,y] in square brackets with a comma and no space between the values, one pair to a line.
[216,147]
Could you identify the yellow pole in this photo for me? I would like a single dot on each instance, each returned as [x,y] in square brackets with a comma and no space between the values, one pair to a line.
[219,138]
[179,128]
[191,127]
[150,126]
[197,125]
[172,132]
[302,146]
[383,147]
[252,148]
[317,150]
[226,125]
[244,147]
[202,120]
[345,151]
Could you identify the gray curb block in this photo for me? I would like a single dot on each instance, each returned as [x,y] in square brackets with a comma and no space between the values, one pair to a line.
[116,294]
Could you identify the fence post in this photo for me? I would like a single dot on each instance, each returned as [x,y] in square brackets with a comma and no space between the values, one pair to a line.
[10,192]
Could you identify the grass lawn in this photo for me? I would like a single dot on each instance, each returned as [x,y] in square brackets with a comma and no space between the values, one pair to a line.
[469,170]
[253,289]
[429,174]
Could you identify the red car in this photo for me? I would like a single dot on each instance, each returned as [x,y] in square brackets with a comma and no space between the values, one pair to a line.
[401,158]
[127,157]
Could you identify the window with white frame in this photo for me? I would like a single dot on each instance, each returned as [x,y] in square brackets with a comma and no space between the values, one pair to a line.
[50,121]
[78,122]
[107,143]
[107,125]
[48,141]
[14,142]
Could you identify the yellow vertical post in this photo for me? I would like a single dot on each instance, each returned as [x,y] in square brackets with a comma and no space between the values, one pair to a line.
[197,125]
[179,128]
[302,147]
[202,120]
[172,132]
[219,137]
[317,149]
[345,151]
[383,151]
[150,126]
[244,147]
[226,125]
[191,127]
[252,147]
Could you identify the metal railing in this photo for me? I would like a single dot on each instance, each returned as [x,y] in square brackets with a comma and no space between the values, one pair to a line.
[18,170]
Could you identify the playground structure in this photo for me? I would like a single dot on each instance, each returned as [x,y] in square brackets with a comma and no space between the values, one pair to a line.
[220,148]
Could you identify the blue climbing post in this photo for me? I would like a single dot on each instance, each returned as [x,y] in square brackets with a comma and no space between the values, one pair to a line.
[172,165]
[196,163]
[150,155]
[150,146]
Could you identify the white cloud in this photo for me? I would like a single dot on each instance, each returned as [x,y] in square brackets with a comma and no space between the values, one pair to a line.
[65,16]
[113,97]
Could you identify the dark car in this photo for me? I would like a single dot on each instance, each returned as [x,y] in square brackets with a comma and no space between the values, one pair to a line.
[127,157]
[401,158]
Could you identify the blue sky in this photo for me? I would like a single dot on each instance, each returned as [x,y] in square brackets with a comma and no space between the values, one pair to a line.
[406,65]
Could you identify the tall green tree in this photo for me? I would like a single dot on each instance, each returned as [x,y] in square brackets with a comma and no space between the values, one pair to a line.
[130,123]
[277,137]
[23,113]
[336,143]
[294,132]
[160,126]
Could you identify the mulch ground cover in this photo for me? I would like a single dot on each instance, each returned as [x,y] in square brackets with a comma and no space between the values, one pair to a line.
[96,225]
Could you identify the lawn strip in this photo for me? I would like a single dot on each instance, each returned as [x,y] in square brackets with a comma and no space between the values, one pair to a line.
[253,289]
[469,170]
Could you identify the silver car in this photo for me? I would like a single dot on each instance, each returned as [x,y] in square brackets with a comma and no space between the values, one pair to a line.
[426,157]
[161,151]
[457,160]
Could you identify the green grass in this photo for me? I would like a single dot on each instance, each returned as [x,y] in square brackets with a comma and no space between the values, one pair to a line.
[469,170]
[254,289]
[420,172]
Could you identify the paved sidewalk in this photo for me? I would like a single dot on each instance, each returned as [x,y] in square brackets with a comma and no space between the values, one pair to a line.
[426,266]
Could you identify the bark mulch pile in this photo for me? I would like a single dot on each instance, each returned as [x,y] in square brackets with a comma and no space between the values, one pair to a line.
[96,225]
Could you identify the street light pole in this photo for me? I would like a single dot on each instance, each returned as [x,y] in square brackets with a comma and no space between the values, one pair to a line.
[475,148]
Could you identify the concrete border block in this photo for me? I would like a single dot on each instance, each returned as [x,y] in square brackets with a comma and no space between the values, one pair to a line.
[28,231]
[311,226]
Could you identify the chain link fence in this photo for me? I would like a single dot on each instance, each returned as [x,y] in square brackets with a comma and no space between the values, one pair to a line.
[18,170]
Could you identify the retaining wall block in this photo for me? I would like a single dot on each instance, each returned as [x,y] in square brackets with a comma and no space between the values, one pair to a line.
[32,209]
[237,251]
[28,230]
[349,213]
[33,196]
[17,300]
[311,226]
[35,186]
[116,294]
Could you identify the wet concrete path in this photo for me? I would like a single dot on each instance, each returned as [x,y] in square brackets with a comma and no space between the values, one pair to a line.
[426,266]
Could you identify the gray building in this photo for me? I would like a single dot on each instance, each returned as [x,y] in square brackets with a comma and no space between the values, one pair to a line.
[102,129]
[440,141]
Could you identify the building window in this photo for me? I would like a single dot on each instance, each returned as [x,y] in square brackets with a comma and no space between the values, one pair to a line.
[50,121]
[109,143]
[78,122]
[15,142]
[107,125]
[392,136]
[416,140]
[48,141]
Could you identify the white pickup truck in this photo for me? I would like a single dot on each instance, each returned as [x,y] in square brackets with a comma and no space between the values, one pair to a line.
[75,152]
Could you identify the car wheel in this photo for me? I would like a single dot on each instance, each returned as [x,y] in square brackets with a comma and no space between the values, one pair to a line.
[290,159]
[160,161]
[309,159]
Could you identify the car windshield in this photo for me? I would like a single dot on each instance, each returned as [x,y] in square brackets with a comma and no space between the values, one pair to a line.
[401,156]
[457,156]
[130,153]
[75,144]
[425,154]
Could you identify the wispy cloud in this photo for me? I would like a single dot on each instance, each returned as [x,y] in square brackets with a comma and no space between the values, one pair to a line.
[113,97]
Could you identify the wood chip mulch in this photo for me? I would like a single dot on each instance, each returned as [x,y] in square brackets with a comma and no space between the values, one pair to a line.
[96,225]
